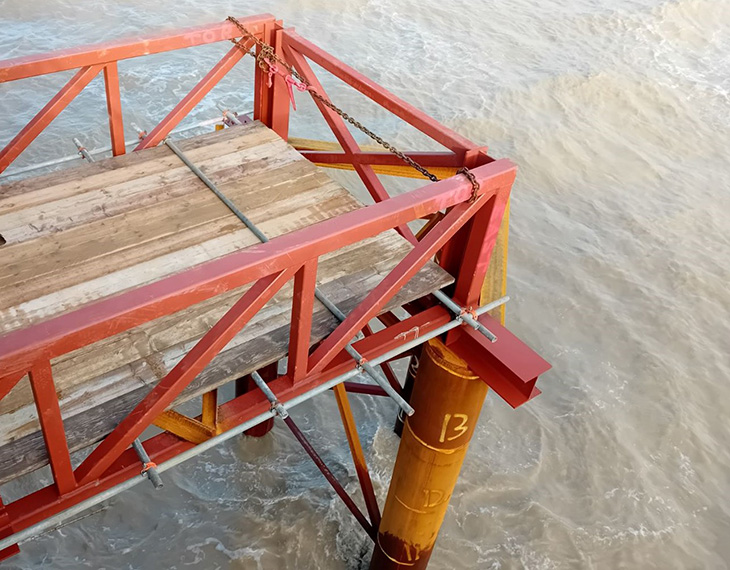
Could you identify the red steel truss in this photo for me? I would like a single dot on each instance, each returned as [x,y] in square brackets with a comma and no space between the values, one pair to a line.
[465,235]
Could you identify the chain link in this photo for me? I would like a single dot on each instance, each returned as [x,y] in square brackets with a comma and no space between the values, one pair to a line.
[266,52]
[474,183]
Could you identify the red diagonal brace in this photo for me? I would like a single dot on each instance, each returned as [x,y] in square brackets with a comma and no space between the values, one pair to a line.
[508,366]
[381,96]
[44,117]
[186,370]
[393,282]
[345,138]
[196,94]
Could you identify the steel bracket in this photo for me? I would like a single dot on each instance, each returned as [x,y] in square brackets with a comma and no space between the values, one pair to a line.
[508,366]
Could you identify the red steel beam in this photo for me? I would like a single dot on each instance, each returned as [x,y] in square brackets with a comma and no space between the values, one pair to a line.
[6,529]
[393,282]
[508,366]
[279,93]
[20,349]
[44,117]
[305,281]
[427,159]
[261,90]
[201,89]
[480,241]
[360,388]
[114,108]
[116,50]
[192,364]
[415,117]
[49,416]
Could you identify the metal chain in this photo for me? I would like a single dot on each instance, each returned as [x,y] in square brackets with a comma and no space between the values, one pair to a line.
[474,183]
[267,52]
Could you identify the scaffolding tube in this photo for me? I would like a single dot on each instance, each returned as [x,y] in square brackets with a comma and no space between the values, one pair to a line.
[302,439]
[56,161]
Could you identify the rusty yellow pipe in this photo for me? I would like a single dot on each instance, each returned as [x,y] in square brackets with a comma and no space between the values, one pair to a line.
[447,397]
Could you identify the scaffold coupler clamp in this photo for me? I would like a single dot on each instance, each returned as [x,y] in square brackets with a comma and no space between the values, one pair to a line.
[149,467]
[278,408]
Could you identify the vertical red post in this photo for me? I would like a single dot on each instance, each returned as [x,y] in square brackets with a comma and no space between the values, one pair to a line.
[280,93]
[271,102]
[114,108]
[300,331]
[262,92]
[49,416]
[481,238]
[467,255]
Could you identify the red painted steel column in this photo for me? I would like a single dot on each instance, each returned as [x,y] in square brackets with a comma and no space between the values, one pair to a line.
[114,108]
[280,102]
[262,91]
[447,397]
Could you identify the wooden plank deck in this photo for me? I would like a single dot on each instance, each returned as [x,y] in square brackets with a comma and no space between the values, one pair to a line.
[93,231]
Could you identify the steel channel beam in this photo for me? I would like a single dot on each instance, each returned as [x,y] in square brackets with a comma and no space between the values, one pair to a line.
[95,54]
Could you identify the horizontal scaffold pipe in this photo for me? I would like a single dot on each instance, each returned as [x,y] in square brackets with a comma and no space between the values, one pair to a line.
[11,172]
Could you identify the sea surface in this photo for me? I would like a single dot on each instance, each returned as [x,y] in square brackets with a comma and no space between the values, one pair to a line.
[618,115]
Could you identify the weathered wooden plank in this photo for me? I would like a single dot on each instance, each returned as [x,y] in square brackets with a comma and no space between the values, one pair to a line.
[87,252]
[15,196]
[99,229]
[27,453]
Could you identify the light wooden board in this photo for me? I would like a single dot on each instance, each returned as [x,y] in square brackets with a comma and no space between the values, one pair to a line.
[99,229]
